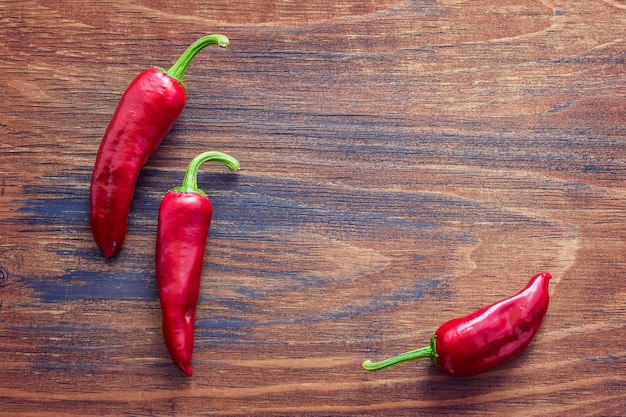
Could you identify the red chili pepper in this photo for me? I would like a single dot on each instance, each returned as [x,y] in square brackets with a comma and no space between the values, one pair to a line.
[486,338]
[145,114]
[183,226]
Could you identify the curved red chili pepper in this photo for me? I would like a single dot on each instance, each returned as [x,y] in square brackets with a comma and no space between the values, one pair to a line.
[183,226]
[145,114]
[486,338]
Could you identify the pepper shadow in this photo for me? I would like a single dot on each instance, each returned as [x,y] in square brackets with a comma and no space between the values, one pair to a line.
[471,395]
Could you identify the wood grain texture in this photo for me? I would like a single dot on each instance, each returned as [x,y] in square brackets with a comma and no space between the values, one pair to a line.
[403,163]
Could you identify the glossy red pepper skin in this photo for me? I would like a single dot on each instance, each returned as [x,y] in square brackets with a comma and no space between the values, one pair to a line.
[494,334]
[183,226]
[488,337]
[184,222]
[145,114]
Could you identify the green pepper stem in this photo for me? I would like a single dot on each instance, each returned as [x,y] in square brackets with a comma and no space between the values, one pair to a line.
[425,352]
[190,182]
[178,69]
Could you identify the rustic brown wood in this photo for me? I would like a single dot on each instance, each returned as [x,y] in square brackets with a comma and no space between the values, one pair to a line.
[404,162]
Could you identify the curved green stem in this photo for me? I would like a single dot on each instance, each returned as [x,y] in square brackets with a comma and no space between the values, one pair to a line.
[425,352]
[190,182]
[178,69]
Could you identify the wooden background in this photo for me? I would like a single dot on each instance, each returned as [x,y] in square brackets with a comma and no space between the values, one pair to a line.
[403,163]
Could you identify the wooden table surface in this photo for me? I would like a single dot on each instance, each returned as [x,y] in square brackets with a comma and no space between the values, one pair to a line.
[403,163]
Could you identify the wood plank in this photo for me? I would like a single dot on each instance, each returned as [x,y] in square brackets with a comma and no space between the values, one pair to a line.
[403,163]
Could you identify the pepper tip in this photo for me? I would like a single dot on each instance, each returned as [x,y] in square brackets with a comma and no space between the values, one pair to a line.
[186,368]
